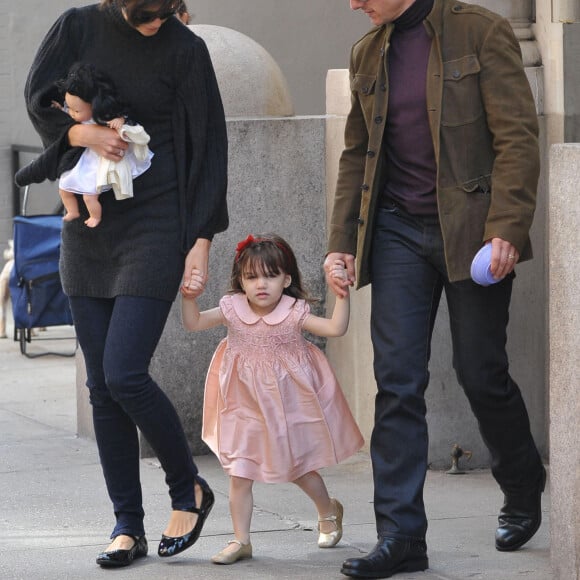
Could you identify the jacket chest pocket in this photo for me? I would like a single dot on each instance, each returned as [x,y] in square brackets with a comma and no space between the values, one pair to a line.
[461,95]
[364,87]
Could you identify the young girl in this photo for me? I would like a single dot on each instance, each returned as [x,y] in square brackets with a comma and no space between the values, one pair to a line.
[273,409]
[90,97]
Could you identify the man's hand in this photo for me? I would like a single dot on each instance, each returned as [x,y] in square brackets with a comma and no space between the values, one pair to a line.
[504,257]
[339,284]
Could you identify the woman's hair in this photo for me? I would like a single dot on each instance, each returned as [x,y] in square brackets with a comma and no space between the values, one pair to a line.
[94,87]
[133,7]
[267,254]
[181,11]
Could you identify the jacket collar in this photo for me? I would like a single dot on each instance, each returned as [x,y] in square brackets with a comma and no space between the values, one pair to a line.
[435,17]
[433,22]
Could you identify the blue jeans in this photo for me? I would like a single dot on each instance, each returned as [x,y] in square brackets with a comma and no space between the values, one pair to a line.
[118,338]
[408,277]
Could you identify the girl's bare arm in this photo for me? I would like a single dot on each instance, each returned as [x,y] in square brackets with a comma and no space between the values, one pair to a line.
[335,326]
[338,324]
[194,320]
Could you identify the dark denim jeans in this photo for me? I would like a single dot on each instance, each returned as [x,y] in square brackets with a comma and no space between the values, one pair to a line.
[408,277]
[118,338]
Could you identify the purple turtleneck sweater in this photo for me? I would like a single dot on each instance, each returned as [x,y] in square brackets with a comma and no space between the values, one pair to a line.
[407,145]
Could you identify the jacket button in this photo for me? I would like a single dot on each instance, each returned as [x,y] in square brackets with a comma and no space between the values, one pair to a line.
[383,87]
[364,187]
[378,120]
[365,91]
[456,74]
[360,220]
[370,153]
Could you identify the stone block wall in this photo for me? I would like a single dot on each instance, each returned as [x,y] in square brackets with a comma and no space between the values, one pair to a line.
[276,185]
[276,176]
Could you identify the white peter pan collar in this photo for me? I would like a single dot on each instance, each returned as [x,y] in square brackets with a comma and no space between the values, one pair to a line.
[248,316]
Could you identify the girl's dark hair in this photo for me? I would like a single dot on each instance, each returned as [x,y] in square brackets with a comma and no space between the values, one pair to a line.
[133,7]
[271,255]
[94,87]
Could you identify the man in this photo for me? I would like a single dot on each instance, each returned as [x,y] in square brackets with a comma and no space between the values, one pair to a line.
[441,156]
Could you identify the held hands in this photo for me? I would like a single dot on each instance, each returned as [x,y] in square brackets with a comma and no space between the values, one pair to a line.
[194,286]
[196,267]
[339,272]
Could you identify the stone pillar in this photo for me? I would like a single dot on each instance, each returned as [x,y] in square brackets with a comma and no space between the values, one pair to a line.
[564,313]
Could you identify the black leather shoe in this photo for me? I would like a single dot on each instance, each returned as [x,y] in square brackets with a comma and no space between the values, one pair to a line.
[120,558]
[169,546]
[388,557]
[520,517]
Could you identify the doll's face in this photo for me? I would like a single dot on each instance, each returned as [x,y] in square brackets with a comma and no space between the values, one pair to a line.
[78,109]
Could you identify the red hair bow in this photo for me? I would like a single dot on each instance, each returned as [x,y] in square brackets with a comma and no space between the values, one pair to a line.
[244,244]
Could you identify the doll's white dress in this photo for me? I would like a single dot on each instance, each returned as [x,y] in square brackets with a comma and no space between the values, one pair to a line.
[94,174]
[273,408]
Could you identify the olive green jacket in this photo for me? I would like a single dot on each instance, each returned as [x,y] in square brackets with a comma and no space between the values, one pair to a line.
[484,129]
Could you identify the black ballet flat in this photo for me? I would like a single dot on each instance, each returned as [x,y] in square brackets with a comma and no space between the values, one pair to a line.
[169,546]
[120,558]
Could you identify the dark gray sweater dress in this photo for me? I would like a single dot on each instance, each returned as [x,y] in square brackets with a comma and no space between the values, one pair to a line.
[168,81]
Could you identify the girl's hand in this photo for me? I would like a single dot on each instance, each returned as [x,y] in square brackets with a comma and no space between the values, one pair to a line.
[338,270]
[195,285]
[339,284]
[196,265]
[337,325]
[104,141]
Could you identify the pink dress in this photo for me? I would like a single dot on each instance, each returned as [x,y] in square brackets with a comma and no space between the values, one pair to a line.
[273,409]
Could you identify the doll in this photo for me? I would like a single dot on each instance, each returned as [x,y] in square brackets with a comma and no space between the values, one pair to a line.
[90,97]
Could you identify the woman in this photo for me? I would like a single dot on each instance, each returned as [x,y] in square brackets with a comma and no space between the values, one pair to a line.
[123,276]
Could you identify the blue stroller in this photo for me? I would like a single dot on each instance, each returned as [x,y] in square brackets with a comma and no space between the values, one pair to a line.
[38,300]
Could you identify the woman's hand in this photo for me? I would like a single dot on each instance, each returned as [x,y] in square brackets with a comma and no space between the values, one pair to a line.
[104,141]
[195,286]
[195,272]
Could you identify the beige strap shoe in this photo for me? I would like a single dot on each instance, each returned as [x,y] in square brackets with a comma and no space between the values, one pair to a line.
[244,552]
[330,539]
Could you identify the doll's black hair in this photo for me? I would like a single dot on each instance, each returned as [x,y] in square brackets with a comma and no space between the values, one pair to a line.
[85,81]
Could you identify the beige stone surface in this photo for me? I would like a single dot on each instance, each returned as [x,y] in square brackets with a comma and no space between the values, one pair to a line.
[250,81]
[564,313]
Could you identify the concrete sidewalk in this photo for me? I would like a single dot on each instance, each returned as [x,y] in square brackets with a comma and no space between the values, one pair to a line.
[55,515]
